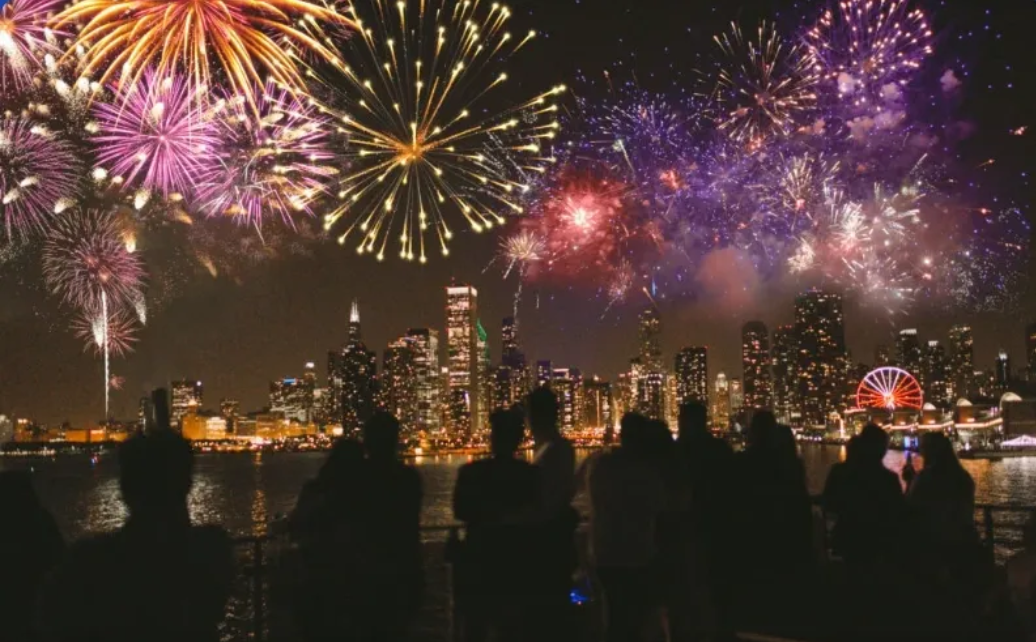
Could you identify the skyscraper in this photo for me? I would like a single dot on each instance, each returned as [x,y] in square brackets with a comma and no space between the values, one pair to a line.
[427,378]
[961,361]
[186,398]
[908,352]
[882,355]
[785,356]
[692,375]
[936,385]
[567,384]
[398,383]
[598,409]
[509,348]
[292,397]
[651,340]
[353,375]
[755,363]
[721,402]
[820,332]
[336,369]
[1003,371]
[484,368]
[737,397]
[544,373]
[463,358]
[511,379]
[651,389]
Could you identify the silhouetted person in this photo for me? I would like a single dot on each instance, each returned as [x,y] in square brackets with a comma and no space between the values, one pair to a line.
[31,545]
[328,524]
[495,499]
[158,578]
[775,522]
[942,504]
[866,499]
[394,581]
[1021,582]
[556,558]
[627,499]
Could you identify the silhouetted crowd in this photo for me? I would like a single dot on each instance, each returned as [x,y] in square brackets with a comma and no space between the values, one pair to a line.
[684,540]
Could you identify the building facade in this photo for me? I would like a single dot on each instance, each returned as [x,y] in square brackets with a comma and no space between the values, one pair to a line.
[755,365]
[187,397]
[398,383]
[820,333]
[909,354]
[427,379]
[935,380]
[353,378]
[463,359]
[961,361]
[784,355]
[692,375]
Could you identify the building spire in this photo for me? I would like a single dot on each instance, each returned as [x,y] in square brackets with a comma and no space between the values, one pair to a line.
[354,321]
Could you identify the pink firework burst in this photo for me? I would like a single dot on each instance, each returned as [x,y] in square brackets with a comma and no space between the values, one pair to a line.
[156,135]
[38,175]
[273,162]
[121,328]
[25,39]
[86,263]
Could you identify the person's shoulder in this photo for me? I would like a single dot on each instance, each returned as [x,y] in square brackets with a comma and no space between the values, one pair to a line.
[211,535]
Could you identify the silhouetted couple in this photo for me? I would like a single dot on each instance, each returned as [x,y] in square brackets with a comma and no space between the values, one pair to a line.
[516,565]
[358,530]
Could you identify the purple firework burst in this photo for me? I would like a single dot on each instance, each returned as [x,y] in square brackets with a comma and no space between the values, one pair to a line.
[38,175]
[121,329]
[156,135]
[276,162]
[25,39]
[86,263]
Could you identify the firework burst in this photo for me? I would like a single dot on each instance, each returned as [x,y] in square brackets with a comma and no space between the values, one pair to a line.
[276,162]
[25,40]
[862,46]
[155,135]
[86,263]
[521,250]
[431,136]
[118,329]
[38,175]
[121,38]
[763,84]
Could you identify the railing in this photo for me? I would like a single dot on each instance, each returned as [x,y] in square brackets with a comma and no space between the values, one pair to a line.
[1000,526]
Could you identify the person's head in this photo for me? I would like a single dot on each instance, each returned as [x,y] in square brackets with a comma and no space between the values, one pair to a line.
[693,420]
[937,451]
[659,438]
[852,450]
[507,428]
[17,495]
[873,444]
[381,436]
[346,454]
[155,472]
[543,413]
[762,432]
[633,433]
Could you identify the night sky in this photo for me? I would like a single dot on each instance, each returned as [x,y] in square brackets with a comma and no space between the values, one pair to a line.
[236,334]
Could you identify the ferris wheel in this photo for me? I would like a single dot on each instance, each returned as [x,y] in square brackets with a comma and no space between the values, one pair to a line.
[889,388]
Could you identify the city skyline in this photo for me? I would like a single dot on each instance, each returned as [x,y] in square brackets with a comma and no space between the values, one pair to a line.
[721,358]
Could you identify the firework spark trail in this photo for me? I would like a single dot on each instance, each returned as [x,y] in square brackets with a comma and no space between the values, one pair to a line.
[522,250]
[122,38]
[274,161]
[156,135]
[38,172]
[418,111]
[765,84]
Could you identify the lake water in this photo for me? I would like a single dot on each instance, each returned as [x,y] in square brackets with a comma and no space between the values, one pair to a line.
[244,492]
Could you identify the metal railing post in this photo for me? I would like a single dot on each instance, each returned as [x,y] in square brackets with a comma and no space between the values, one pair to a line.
[258,613]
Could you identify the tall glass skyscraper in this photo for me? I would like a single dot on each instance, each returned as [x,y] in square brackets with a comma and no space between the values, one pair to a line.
[463,358]
[784,355]
[908,352]
[427,378]
[692,375]
[755,364]
[820,331]
[352,377]
[961,361]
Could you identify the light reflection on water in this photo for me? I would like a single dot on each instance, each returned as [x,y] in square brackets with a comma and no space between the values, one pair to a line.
[244,492]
